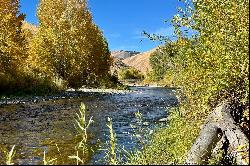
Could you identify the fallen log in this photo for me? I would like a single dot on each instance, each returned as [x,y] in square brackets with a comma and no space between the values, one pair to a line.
[219,123]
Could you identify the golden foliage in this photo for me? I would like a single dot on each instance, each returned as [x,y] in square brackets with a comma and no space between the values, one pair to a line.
[209,67]
[68,44]
[12,42]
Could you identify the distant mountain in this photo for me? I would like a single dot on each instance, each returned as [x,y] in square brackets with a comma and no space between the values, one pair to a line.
[140,61]
[121,54]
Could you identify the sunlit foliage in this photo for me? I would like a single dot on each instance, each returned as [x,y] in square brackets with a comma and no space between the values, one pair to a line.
[160,61]
[129,73]
[12,43]
[209,67]
[68,45]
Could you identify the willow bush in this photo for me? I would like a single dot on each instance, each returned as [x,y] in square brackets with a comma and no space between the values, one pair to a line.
[160,62]
[130,73]
[209,67]
[213,66]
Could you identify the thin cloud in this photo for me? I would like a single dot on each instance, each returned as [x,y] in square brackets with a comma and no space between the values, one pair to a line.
[168,31]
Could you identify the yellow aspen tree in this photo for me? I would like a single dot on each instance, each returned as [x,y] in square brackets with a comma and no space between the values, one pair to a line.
[12,41]
[68,44]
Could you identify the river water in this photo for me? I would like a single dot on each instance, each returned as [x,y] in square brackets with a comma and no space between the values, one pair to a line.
[47,124]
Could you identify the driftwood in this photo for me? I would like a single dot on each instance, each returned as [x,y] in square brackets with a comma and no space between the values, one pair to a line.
[219,123]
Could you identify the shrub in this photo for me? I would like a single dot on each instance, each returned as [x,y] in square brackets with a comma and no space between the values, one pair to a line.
[130,73]
[160,61]
[209,67]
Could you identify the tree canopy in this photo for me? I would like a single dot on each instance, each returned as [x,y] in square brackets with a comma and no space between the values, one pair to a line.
[68,44]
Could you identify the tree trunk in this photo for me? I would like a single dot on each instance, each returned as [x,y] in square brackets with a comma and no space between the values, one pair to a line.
[219,122]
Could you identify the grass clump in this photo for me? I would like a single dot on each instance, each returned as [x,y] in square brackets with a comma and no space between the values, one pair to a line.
[169,145]
[112,159]
[119,155]
[47,161]
[10,155]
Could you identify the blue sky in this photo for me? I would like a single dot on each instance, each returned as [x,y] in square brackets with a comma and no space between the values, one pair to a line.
[122,21]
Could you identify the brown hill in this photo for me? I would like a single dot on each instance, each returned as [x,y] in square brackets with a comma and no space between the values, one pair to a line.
[121,54]
[140,61]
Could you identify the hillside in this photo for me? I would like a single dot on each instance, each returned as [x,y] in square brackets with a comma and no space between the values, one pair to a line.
[117,65]
[121,54]
[140,61]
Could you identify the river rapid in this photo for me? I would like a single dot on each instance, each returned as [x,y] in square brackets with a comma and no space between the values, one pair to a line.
[41,124]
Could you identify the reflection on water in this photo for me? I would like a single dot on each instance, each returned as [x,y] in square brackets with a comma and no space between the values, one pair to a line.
[48,126]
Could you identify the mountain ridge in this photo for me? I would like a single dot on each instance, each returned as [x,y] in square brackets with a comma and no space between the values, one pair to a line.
[122,54]
[140,61]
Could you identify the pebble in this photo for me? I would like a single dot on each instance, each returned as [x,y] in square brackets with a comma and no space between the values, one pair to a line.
[163,120]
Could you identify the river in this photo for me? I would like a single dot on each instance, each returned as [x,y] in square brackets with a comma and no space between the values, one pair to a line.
[47,124]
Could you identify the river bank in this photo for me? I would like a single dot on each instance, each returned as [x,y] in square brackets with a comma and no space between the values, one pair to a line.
[69,93]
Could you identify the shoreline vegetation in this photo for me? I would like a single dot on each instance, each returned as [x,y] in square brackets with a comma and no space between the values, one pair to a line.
[209,69]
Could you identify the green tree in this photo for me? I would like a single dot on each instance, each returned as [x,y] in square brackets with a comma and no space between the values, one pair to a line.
[215,68]
[130,73]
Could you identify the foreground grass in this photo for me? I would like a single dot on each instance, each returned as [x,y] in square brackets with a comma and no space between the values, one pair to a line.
[170,145]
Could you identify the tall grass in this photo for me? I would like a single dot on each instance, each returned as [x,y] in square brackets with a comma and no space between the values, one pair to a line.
[116,154]
[82,124]
[169,145]
[48,161]
[112,142]
[10,155]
